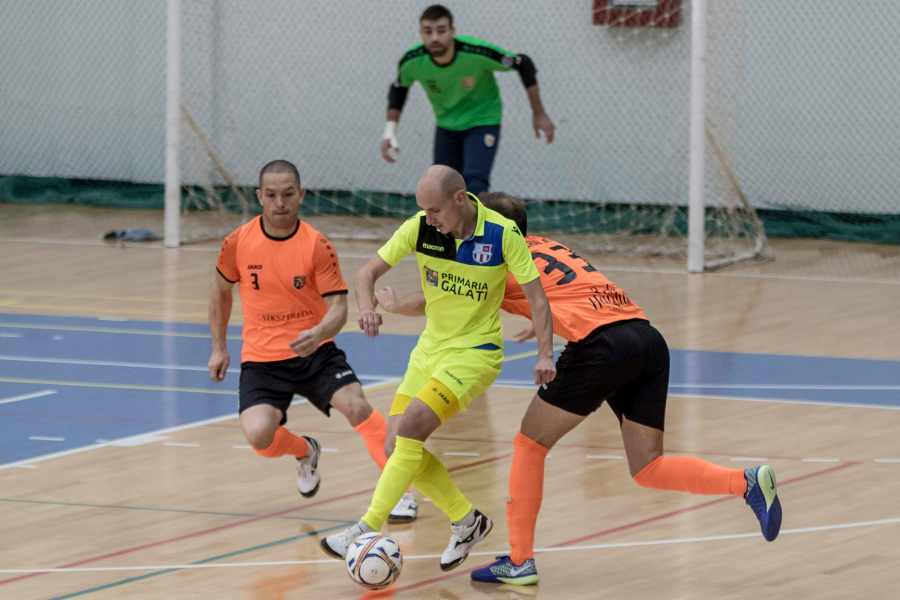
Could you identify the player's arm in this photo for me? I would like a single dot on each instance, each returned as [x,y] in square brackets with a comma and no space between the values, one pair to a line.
[220,302]
[331,324]
[411,305]
[539,119]
[369,321]
[396,99]
[542,321]
[521,265]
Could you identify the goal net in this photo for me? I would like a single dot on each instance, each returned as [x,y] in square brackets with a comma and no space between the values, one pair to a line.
[305,82]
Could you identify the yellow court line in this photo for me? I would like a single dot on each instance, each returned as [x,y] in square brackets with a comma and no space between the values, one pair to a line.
[22,305]
[105,330]
[85,297]
[152,388]
[123,386]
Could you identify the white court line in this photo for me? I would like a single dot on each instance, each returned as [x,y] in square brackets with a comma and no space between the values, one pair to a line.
[181,445]
[611,456]
[27,396]
[822,460]
[749,458]
[26,466]
[111,319]
[143,435]
[738,386]
[887,460]
[328,449]
[789,386]
[44,438]
[462,454]
[138,365]
[242,447]
[331,561]
[10,335]
[523,384]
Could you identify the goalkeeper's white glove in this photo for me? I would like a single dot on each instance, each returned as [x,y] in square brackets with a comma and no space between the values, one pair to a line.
[390,134]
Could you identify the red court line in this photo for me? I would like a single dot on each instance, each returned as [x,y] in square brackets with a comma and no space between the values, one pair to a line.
[606,532]
[231,525]
[510,443]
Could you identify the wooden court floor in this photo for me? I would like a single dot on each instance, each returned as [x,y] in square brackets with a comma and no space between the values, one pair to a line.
[198,515]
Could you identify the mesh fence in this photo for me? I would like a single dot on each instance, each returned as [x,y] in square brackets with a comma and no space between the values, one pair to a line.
[802,131]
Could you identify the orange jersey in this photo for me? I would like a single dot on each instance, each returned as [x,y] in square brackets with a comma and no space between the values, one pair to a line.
[282,282]
[581,298]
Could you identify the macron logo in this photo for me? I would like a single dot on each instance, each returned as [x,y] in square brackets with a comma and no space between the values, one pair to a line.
[431,246]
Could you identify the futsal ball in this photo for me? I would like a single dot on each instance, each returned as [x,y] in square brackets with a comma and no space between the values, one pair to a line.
[374,561]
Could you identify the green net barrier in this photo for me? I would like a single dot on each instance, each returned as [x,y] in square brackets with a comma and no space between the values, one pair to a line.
[546,215]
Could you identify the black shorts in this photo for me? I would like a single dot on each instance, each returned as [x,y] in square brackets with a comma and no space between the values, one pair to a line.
[624,363]
[316,377]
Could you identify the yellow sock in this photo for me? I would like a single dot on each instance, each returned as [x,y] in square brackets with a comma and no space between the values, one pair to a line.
[434,481]
[399,471]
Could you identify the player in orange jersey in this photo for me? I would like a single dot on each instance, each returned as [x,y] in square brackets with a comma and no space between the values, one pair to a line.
[613,355]
[294,302]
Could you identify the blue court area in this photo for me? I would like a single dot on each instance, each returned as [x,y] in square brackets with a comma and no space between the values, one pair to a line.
[67,383]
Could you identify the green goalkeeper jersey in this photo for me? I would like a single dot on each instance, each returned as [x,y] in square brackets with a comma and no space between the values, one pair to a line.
[464,93]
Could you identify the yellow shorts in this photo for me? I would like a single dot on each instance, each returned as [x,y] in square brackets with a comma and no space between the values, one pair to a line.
[463,372]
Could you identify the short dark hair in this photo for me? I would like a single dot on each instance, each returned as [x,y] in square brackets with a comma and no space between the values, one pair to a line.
[279,166]
[435,12]
[509,206]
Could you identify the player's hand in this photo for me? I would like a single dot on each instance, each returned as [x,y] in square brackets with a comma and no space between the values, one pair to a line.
[386,146]
[544,371]
[306,343]
[543,123]
[218,365]
[369,321]
[525,334]
[386,299]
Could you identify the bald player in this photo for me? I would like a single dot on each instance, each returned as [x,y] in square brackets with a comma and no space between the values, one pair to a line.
[613,355]
[294,302]
[465,252]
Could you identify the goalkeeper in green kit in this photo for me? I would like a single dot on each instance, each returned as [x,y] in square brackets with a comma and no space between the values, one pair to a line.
[457,74]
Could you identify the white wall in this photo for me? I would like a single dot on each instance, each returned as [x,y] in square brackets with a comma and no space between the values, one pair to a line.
[82,95]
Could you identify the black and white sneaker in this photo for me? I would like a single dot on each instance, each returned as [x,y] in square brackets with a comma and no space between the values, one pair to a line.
[463,537]
[308,479]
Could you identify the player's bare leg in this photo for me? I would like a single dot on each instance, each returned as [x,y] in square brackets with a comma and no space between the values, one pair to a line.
[262,428]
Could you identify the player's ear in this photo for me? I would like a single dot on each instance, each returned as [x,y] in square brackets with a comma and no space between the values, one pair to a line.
[302,194]
[259,196]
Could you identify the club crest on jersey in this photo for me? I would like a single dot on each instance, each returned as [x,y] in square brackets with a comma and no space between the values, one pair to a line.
[468,82]
[431,277]
[489,140]
[482,253]
[299,281]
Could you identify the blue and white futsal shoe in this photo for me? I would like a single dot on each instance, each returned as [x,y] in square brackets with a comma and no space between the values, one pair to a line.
[504,571]
[762,496]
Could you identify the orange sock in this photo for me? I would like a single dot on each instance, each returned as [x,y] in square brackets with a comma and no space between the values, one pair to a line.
[283,443]
[526,490]
[691,474]
[373,431]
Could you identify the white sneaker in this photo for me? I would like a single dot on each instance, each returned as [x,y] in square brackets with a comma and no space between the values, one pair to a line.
[462,538]
[308,479]
[336,545]
[406,511]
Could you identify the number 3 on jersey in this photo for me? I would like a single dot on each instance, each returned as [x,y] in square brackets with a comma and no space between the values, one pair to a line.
[554,264]
[254,281]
